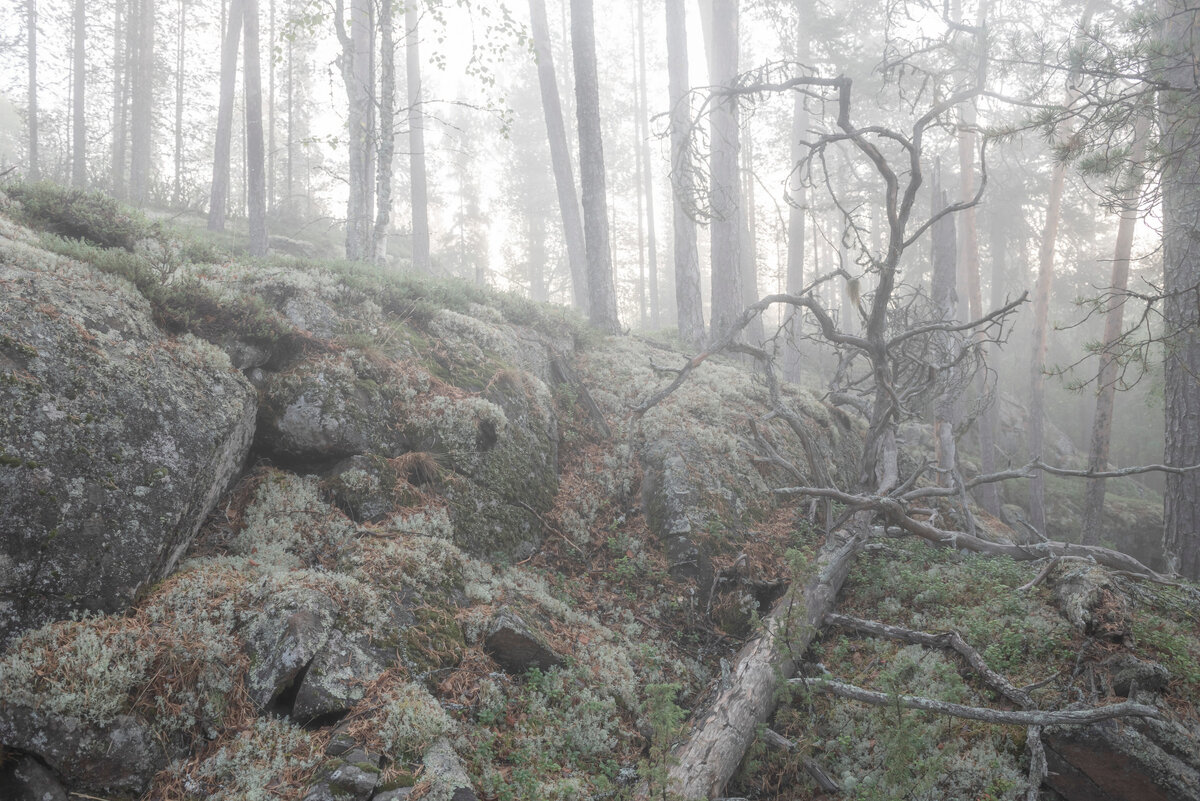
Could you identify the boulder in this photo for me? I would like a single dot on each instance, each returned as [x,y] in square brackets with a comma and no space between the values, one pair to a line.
[517,647]
[115,442]
[1115,761]
[120,756]
[335,679]
[25,779]
[446,774]
[323,410]
[282,641]
[349,777]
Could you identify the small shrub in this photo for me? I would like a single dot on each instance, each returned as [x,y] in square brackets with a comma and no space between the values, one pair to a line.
[77,214]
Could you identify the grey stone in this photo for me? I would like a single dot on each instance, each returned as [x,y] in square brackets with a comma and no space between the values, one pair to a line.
[115,442]
[350,777]
[120,756]
[322,409]
[1090,601]
[282,640]
[335,679]
[1127,671]
[446,774]
[362,486]
[23,778]
[1114,761]
[512,643]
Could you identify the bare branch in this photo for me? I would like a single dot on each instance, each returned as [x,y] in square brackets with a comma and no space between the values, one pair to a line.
[1023,717]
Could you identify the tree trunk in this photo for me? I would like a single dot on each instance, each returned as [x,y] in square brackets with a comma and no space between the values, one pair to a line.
[748,233]
[78,113]
[647,174]
[177,193]
[289,185]
[1180,119]
[271,195]
[1107,376]
[602,295]
[560,155]
[219,194]
[537,255]
[358,74]
[727,301]
[387,131]
[256,175]
[688,300]
[141,112]
[416,142]
[945,303]
[120,98]
[721,734]
[797,196]
[1041,324]
[31,54]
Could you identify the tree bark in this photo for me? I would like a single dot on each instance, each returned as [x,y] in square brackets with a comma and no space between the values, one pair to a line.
[1041,324]
[416,144]
[560,156]
[688,300]
[1180,121]
[256,176]
[1107,376]
[141,110]
[119,98]
[31,59]
[387,131]
[602,293]
[78,112]
[219,194]
[720,735]
[945,302]
[358,75]
[748,242]
[180,51]
[647,174]
[797,196]
[727,301]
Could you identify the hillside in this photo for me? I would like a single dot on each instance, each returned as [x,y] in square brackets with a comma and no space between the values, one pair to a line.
[298,529]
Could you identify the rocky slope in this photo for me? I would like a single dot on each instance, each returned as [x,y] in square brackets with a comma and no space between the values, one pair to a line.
[452,564]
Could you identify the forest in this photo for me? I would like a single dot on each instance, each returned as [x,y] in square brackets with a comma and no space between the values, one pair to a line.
[490,399]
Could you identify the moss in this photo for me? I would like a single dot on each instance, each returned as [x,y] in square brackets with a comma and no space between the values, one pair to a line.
[435,640]
[78,214]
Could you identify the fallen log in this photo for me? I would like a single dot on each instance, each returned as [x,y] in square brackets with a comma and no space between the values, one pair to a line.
[722,732]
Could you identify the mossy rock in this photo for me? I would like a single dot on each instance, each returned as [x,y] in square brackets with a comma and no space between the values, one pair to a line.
[434,641]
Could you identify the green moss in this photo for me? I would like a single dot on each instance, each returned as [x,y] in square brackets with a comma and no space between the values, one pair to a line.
[435,641]
[78,214]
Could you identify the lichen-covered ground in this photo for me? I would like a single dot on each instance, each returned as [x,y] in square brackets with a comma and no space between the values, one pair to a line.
[391,569]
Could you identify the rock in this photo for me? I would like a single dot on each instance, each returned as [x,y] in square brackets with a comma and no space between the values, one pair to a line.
[1114,761]
[502,451]
[335,679]
[515,646]
[115,442]
[25,779]
[1087,598]
[283,640]
[397,794]
[309,313]
[1126,671]
[120,756]
[446,774]
[299,248]
[322,409]
[350,777]
[245,355]
[364,487]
